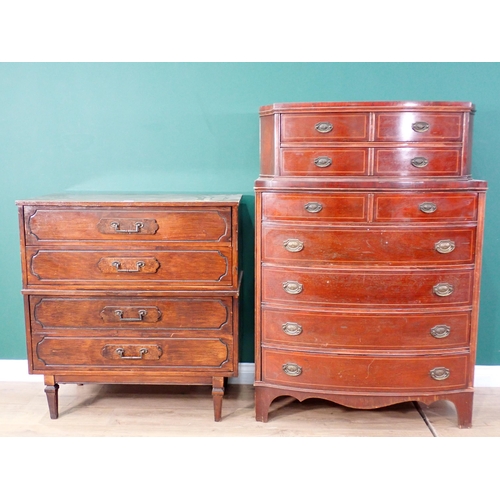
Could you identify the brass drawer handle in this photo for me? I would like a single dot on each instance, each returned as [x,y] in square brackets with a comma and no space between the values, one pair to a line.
[293,245]
[116,226]
[313,207]
[292,369]
[440,373]
[292,287]
[121,350]
[292,328]
[324,127]
[138,266]
[428,207]
[443,289]
[141,313]
[420,127]
[440,331]
[125,225]
[323,161]
[420,162]
[445,246]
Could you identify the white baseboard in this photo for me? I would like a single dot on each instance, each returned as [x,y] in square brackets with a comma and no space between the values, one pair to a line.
[17,371]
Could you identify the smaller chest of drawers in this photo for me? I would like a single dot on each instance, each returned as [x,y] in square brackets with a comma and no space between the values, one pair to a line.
[140,289]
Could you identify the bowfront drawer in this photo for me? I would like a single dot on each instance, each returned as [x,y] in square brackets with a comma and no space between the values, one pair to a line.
[418,127]
[165,315]
[301,245]
[418,162]
[84,352]
[46,226]
[314,206]
[318,371]
[324,127]
[160,266]
[367,288]
[327,162]
[432,206]
[314,329]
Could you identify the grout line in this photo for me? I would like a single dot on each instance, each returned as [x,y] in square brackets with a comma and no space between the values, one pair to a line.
[425,419]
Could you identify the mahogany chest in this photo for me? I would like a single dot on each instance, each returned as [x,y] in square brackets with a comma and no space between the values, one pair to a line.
[369,233]
[131,289]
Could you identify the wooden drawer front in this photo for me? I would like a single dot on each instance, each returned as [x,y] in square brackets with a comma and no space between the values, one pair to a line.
[418,127]
[81,352]
[124,313]
[443,207]
[314,206]
[318,371]
[363,288]
[168,225]
[324,127]
[190,267]
[319,162]
[418,162]
[299,245]
[406,331]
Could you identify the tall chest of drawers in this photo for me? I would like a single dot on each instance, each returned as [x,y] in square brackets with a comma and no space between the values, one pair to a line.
[369,233]
[139,289]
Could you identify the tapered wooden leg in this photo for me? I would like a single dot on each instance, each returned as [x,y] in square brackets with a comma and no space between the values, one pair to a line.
[51,390]
[217,395]
[463,405]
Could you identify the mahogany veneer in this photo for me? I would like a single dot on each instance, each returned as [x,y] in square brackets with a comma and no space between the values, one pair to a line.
[142,290]
[369,233]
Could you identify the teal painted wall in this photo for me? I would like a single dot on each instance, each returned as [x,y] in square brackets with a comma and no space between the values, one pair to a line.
[189,127]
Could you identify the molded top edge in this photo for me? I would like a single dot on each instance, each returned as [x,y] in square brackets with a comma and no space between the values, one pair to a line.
[125,199]
[368,106]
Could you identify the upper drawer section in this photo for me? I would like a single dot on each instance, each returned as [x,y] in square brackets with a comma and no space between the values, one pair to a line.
[418,127]
[325,127]
[47,225]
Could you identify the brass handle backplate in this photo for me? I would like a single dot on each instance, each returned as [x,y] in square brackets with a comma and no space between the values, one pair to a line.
[445,246]
[292,328]
[443,289]
[293,245]
[313,207]
[292,369]
[127,226]
[428,207]
[440,331]
[324,127]
[419,162]
[440,373]
[293,287]
[420,127]
[322,161]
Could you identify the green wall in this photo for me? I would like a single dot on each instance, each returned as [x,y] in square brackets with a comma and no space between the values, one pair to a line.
[190,127]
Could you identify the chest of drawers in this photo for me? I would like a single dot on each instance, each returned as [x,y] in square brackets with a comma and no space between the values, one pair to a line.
[139,290]
[369,233]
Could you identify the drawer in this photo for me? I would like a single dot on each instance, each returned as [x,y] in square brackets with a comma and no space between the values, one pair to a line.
[52,351]
[418,162]
[387,373]
[432,206]
[165,267]
[311,206]
[418,127]
[367,288]
[167,225]
[95,314]
[302,245]
[324,162]
[405,331]
[324,127]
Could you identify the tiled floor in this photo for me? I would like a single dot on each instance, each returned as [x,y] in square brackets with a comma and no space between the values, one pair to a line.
[173,411]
